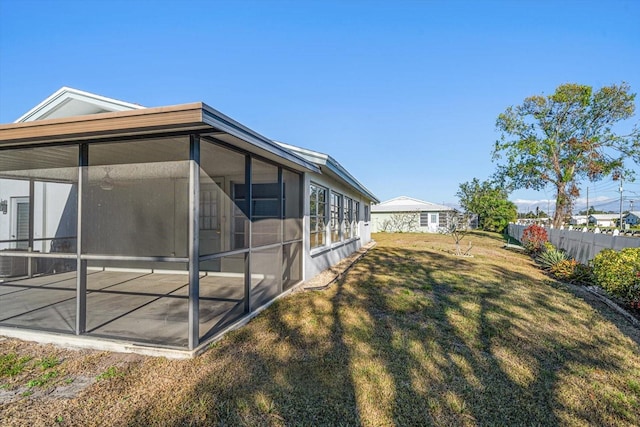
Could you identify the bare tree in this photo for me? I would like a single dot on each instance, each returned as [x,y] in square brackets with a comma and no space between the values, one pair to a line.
[458,225]
[400,222]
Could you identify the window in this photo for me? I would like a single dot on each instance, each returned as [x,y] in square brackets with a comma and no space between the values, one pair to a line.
[209,218]
[367,215]
[428,218]
[356,219]
[317,215]
[347,218]
[424,219]
[335,217]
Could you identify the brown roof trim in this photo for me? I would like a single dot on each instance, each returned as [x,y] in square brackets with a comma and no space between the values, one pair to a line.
[122,123]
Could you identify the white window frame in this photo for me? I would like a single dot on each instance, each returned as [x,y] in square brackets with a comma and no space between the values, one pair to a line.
[320,217]
[336,201]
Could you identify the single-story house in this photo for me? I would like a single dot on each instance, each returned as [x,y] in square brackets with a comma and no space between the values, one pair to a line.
[159,227]
[632,218]
[604,220]
[406,214]
[578,220]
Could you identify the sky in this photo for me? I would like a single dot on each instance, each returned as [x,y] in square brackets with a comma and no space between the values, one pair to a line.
[404,94]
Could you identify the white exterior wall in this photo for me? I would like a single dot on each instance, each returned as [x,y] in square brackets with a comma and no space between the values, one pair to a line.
[322,258]
[378,219]
[49,199]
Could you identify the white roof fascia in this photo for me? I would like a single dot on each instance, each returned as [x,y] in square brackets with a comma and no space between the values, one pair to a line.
[66,94]
[226,124]
[332,164]
[414,205]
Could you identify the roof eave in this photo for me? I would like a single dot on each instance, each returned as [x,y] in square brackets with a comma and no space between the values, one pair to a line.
[332,165]
[225,123]
[345,176]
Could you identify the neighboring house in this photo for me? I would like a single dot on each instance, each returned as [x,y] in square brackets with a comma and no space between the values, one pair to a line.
[632,218]
[604,220]
[407,214]
[578,220]
[160,226]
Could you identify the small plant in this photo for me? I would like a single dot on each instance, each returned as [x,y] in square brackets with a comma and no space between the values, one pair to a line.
[565,270]
[582,275]
[618,272]
[550,257]
[534,238]
[39,382]
[48,362]
[11,364]
[111,372]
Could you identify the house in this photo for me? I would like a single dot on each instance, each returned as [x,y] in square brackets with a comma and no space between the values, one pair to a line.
[632,218]
[604,220]
[126,227]
[578,220]
[408,214]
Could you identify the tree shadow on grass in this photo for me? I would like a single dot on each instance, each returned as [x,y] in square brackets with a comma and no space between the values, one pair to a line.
[409,337]
[490,372]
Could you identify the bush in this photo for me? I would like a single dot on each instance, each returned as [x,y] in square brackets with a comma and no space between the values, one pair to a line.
[565,269]
[551,256]
[534,238]
[582,275]
[618,272]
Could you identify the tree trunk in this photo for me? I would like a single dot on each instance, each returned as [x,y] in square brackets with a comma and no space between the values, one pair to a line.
[562,203]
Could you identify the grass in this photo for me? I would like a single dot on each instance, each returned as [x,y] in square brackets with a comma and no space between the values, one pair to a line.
[111,372]
[411,335]
[11,364]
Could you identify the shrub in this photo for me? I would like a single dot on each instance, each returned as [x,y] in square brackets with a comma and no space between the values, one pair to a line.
[565,269]
[550,257]
[618,272]
[534,238]
[582,275]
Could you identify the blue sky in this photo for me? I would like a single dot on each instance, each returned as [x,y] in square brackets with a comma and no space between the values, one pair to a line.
[404,94]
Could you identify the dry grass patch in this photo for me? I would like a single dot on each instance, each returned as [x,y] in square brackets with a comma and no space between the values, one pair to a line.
[411,335]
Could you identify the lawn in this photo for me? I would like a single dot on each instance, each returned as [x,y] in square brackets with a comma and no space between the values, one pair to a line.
[411,335]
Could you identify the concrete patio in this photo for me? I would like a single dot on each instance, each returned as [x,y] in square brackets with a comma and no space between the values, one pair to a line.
[139,306]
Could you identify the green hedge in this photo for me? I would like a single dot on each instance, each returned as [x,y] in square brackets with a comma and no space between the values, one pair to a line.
[618,272]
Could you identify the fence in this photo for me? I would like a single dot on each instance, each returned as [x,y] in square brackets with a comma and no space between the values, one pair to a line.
[581,245]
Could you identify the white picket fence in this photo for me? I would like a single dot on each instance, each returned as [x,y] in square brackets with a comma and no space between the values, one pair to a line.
[581,245]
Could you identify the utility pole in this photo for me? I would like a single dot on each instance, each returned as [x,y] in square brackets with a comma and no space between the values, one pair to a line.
[587,201]
[620,224]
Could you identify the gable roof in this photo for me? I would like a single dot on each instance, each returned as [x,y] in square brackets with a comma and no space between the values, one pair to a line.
[330,166]
[634,213]
[70,102]
[408,204]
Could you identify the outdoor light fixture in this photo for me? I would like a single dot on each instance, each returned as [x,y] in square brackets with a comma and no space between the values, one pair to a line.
[3,206]
[107,182]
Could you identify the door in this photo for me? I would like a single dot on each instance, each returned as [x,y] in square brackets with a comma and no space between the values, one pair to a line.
[20,222]
[210,215]
[433,222]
